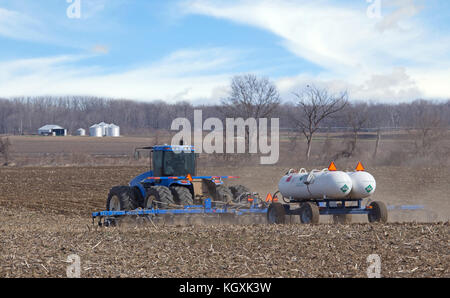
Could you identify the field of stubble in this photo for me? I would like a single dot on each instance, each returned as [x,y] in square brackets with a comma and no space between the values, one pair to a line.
[45,217]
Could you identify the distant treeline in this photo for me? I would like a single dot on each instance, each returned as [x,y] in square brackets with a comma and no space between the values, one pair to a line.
[26,115]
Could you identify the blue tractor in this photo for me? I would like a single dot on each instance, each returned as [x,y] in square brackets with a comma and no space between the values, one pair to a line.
[172,182]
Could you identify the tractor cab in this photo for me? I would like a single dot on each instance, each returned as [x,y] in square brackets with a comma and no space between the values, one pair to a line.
[169,160]
[173,161]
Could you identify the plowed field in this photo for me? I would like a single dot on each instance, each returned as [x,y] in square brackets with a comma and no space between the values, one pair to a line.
[45,217]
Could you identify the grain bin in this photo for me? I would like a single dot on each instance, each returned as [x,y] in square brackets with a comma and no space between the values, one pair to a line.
[96,131]
[80,132]
[113,131]
[104,127]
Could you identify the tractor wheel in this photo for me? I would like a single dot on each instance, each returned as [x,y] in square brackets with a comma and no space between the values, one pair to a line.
[182,195]
[237,191]
[309,213]
[223,194]
[121,198]
[276,214]
[159,196]
[378,213]
[342,218]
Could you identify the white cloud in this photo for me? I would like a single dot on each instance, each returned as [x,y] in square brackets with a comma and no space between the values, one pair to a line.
[17,25]
[182,75]
[403,9]
[91,8]
[355,51]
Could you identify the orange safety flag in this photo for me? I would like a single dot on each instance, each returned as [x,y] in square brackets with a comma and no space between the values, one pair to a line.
[359,167]
[269,198]
[189,177]
[332,167]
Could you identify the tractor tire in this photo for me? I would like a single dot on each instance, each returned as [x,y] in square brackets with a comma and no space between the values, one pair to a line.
[237,191]
[309,213]
[378,213]
[182,195]
[159,196]
[121,198]
[223,194]
[276,214]
[140,200]
[342,218]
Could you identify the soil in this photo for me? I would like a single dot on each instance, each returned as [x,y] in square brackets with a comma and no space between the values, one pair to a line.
[45,216]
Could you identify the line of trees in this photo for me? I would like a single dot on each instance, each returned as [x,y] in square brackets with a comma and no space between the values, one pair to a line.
[250,96]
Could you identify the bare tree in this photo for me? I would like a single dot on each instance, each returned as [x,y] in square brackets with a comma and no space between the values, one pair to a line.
[377,143]
[251,97]
[315,105]
[356,117]
[427,126]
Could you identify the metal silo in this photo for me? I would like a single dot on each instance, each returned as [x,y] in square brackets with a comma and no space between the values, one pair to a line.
[80,132]
[104,127]
[96,131]
[113,130]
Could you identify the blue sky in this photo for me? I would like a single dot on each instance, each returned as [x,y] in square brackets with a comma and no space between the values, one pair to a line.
[190,49]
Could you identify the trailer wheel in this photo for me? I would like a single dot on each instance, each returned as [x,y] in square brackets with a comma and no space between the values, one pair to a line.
[342,218]
[182,195]
[309,213]
[237,191]
[161,194]
[378,213]
[276,214]
[121,198]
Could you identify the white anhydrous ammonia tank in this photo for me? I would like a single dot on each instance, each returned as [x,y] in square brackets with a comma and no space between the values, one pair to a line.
[364,184]
[316,185]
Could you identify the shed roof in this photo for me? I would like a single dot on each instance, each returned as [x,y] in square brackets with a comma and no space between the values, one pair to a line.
[50,127]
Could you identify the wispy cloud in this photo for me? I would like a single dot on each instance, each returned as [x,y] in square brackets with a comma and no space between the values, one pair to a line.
[351,47]
[92,7]
[182,75]
[398,57]
[401,10]
[16,25]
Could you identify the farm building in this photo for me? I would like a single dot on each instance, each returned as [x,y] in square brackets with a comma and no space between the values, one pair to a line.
[104,130]
[80,132]
[52,130]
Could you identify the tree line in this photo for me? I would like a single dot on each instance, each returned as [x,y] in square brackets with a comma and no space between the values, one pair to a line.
[313,109]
